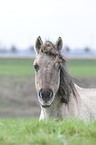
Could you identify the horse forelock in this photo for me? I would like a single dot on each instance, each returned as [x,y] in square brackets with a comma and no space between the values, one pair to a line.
[50,49]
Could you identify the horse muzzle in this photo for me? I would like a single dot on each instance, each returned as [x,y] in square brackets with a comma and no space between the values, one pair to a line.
[46,97]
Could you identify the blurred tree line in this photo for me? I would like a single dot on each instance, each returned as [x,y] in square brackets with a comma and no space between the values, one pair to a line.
[68,49]
[14,49]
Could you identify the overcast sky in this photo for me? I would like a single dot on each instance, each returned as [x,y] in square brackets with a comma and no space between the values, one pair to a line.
[21,21]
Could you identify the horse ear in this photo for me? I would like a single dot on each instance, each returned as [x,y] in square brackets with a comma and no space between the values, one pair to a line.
[38,44]
[59,44]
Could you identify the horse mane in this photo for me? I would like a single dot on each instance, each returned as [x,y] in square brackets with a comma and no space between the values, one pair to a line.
[66,85]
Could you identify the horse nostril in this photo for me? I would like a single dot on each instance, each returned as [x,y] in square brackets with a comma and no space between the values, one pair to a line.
[46,94]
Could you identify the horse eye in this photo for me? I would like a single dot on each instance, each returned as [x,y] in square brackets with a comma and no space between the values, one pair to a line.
[36,67]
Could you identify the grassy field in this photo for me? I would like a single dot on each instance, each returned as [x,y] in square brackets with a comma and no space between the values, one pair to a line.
[24,67]
[16,67]
[82,68]
[33,132]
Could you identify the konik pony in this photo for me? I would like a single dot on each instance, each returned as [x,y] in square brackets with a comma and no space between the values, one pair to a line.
[59,97]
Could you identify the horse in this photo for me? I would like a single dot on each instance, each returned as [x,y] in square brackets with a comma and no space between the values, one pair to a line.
[58,95]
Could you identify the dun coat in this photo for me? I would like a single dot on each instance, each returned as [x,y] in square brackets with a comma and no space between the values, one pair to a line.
[59,97]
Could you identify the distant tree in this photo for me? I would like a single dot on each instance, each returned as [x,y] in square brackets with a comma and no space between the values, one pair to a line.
[13,49]
[4,50]
[67,49]
[31,48]
[0,48]
[87,49]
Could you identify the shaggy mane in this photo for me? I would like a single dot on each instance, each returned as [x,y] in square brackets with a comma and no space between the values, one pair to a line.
[66,85]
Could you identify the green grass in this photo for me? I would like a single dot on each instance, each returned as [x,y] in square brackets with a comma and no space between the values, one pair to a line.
[16,67]
[24,67]
[47,132]
[82,67]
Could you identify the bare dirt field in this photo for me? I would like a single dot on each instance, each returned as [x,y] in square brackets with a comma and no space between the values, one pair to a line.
[18,96]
